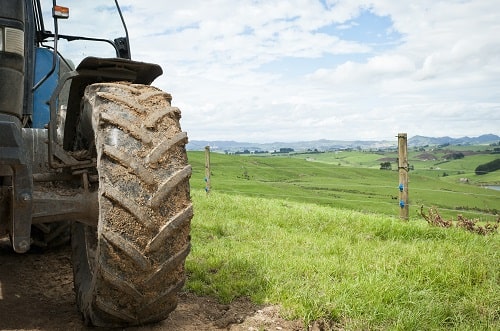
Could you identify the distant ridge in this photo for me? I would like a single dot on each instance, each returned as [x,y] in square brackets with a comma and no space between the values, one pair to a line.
[483,139]
[322,145]
[330,145]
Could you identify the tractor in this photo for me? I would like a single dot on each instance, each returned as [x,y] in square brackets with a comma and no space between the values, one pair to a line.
[93,155]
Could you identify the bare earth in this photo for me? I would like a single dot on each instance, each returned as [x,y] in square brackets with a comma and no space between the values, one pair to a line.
[36,293]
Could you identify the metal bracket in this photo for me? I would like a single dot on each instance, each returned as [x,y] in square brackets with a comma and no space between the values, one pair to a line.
[22,205]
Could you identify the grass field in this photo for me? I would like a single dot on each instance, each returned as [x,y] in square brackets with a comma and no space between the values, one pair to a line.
[357,271]
[319,235]
[356,184]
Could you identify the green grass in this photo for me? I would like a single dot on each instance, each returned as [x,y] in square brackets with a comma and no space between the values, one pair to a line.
[361,271]
[350,158]
[357,184]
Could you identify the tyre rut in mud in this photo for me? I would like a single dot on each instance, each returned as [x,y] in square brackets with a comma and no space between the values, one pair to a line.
[129,269]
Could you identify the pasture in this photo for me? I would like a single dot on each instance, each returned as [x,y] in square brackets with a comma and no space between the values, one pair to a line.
[319,235]
[354,181]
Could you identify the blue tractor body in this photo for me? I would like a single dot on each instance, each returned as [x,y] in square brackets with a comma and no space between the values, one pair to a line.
[43,65]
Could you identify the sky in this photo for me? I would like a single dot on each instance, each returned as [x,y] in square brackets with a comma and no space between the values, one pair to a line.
[298,70]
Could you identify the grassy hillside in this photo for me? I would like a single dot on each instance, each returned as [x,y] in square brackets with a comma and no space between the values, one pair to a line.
[353,180]
[358,271]
[319,235]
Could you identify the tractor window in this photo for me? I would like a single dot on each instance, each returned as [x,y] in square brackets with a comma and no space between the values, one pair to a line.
[97,19]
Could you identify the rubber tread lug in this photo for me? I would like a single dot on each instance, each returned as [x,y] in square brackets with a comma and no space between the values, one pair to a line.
[168,185]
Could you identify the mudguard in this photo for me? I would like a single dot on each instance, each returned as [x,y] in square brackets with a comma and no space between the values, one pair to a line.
[97,70]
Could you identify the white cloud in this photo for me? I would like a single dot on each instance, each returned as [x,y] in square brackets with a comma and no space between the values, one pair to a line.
[441,77]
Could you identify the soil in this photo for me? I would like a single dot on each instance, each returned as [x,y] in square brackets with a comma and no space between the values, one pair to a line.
[36,293]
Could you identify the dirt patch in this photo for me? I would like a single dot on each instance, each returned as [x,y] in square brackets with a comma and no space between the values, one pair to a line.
[36,293]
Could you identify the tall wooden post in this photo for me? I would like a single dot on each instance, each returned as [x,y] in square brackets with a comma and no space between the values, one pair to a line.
[207,169]
[403,175]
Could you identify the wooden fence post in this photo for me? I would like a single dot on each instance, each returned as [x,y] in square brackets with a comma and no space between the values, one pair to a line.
[403,175]
[207,169]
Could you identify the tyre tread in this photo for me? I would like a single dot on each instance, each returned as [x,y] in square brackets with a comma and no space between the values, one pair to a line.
[145,213]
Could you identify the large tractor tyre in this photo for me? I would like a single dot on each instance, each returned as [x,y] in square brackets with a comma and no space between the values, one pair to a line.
[129,269]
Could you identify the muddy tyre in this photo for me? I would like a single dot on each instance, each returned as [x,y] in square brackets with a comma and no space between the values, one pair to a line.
[128,270]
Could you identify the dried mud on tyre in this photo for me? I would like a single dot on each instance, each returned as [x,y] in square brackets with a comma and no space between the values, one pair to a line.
[128,271]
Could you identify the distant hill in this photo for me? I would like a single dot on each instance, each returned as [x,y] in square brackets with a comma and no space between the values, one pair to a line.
[332,145]
[483,139]
[321,145]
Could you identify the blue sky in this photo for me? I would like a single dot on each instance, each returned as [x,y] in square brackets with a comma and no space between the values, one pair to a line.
[262,71]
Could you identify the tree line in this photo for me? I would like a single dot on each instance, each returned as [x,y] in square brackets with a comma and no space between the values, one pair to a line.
[488,167]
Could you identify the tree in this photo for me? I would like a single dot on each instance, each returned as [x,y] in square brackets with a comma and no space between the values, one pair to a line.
[385,166]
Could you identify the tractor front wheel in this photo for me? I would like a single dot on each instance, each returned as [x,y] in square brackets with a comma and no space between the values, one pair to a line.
[129,269]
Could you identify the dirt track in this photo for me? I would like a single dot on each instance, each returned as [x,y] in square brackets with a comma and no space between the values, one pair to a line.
[36,293]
